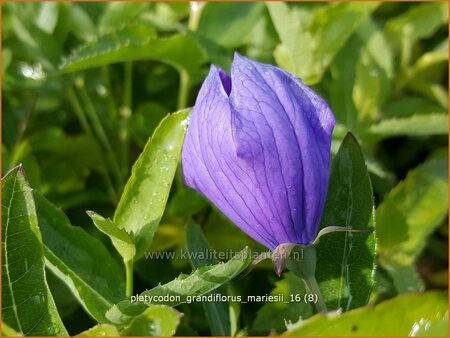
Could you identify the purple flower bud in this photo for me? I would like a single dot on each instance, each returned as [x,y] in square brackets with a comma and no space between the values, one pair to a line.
[258,147]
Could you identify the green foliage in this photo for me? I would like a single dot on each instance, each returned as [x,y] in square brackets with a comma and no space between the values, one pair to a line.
[79,260]
[100,330]
[348,258]
[145,195]
[86,92]
[216,312]
[413,314]
[157,320]
[27,304]
[200,282]
[119,237]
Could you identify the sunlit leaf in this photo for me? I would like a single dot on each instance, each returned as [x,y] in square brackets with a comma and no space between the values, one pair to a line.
[27,304]
[145,195]
[406,315]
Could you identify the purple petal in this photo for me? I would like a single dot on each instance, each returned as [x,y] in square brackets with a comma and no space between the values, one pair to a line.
[258,147]
[210,164]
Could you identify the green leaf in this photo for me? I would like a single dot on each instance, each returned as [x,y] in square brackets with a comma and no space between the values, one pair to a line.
[419,22]
[321,34]
[145,195]
[346,261]
[80,260]
[343,72]
[6,59]
[216,313]
[27,304]
[157,320]
[415,125]
[410,105]
[437,328]
[377,46]
[227,23]
[119,237]
[401,316]
[100,330]
[81,24]
[370,89]
[7,331]
[117,14]
[137,42]
[273,316]
[48,16]
[411,212]
[200,282]
[404,277]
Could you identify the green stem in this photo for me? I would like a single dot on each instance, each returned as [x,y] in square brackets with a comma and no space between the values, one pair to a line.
[313,287]
[194,15]
[76,106]
[112,107]
[305,268]
[98,129]
[81,115]
[129,278]
[185,86]
[125,115]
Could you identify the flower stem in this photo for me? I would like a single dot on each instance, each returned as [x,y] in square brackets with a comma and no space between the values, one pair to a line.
[129,278]
[98,129]
[305,268]
[185,86]
[194,15]
[81,115]
[313,287]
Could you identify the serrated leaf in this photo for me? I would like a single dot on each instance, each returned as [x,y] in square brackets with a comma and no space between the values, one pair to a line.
[198,283]
[216,312]
[404,315]
[27,304]
[156,320]
[119,237]
[415,125]
[100,330]
[145,195]
[411,211]
[133,43]
[80,260]
[346,261]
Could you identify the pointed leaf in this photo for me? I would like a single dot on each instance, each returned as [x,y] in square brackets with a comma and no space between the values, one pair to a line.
[80,260]
[348,258]
[27,304]
[119,237]
[411,212]
[145,195]
[200,282]
[157,320]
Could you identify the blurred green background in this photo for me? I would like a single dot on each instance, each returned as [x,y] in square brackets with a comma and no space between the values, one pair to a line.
[85,84]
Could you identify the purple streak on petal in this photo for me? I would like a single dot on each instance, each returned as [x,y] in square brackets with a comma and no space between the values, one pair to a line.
[210,164]
[282,130]
[226,81]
